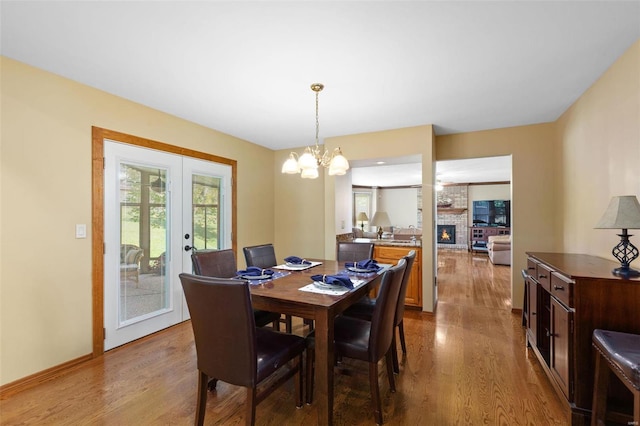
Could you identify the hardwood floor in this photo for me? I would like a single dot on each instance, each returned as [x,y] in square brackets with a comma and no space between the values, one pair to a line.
[465,365]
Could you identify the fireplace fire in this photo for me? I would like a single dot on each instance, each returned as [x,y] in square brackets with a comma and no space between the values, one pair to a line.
[446,234]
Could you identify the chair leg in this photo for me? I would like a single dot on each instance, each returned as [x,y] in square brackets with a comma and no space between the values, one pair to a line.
[375,392]
[394,354]
[310,373]
[287,324]
[276,325]
[392,380]
[250,406]
[309,323]
[600,388]
[201,404]
[401,332]
[212,384]
[636,407]
[298,382]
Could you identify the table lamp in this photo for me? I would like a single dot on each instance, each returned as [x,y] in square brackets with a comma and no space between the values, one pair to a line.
[362,217]
[623,213]
[380,219]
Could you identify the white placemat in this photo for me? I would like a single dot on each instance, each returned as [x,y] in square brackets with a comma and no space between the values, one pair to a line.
[293,268]
[313,289]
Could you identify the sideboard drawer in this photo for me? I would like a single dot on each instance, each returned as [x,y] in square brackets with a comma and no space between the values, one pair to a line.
[543,276]
[532,268]
[562,288]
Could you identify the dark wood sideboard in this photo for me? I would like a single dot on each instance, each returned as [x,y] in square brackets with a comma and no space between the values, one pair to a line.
[567,296]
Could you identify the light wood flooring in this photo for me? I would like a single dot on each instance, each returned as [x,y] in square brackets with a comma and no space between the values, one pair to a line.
[465,365]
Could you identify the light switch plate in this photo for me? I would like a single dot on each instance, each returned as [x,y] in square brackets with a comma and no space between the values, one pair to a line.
[81,230]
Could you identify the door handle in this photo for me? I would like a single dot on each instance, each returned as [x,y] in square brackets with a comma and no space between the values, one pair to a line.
[188,247]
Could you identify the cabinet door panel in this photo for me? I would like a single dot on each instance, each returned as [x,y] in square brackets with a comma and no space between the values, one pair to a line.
[532,313]
[561,331]
[391,255]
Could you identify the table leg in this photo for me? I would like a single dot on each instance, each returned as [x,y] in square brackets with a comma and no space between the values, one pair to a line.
[324,358]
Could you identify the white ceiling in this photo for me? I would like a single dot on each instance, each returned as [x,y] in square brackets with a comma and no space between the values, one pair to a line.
[244,68]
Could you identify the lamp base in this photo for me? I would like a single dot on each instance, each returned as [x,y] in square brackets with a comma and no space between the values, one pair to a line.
[380,231]
[626,272]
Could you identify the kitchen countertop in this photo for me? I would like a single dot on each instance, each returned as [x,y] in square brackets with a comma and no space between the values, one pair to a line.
[390,242]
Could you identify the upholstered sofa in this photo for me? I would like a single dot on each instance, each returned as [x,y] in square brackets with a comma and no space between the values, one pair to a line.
[359,233]
[499,247]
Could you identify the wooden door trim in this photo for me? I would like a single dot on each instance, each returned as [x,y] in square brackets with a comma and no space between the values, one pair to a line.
[98,135]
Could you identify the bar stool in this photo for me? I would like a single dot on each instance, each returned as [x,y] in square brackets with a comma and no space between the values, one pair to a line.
[620,353]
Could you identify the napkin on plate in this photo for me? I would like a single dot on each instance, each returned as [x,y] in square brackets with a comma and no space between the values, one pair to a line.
[368,264]
[341,280]
[254,271]
[296,260]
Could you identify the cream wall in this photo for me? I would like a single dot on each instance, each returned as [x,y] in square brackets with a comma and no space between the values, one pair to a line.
[600,156]
[488,192]
[45,154]
[401,204]
[533,207]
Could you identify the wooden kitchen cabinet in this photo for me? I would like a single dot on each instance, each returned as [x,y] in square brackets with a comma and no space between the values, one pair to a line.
[391,255]
[567,297]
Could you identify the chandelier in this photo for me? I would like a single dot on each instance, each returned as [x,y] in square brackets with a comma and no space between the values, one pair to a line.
[307,164]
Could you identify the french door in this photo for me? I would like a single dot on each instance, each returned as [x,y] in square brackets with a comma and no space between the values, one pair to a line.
[158,207]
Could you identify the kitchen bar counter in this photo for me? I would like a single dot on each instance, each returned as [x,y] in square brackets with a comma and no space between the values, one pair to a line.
[390,242]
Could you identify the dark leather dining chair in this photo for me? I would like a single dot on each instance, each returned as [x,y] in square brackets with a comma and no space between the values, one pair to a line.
[222,264]
[231,348]
[347,251]
[365,307]
[264,256]
[368,341]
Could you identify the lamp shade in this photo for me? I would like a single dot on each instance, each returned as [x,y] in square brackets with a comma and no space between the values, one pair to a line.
[381,219]
[291,165]
[362,217]
[338,165]
[307,160]
[623,213]
[311,173]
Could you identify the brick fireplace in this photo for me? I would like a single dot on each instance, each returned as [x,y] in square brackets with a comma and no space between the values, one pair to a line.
[454,217]
[446,234]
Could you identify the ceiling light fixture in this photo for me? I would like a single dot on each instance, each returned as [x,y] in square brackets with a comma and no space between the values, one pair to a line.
[307,164]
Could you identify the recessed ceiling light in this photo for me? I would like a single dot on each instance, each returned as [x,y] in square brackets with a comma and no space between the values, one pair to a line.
[380,162]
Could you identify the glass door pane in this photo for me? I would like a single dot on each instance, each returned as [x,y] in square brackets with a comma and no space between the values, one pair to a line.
[205,211]
[144,287]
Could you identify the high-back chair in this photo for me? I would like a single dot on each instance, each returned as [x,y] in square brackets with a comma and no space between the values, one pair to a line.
[364,308]
[222,264]
[368,340]
[348,251]
[231,348]
[264,256]
[215,263]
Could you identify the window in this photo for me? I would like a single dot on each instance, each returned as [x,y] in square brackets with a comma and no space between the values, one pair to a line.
[361,203]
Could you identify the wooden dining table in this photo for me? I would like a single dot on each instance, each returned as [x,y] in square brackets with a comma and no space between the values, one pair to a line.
[283,295]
